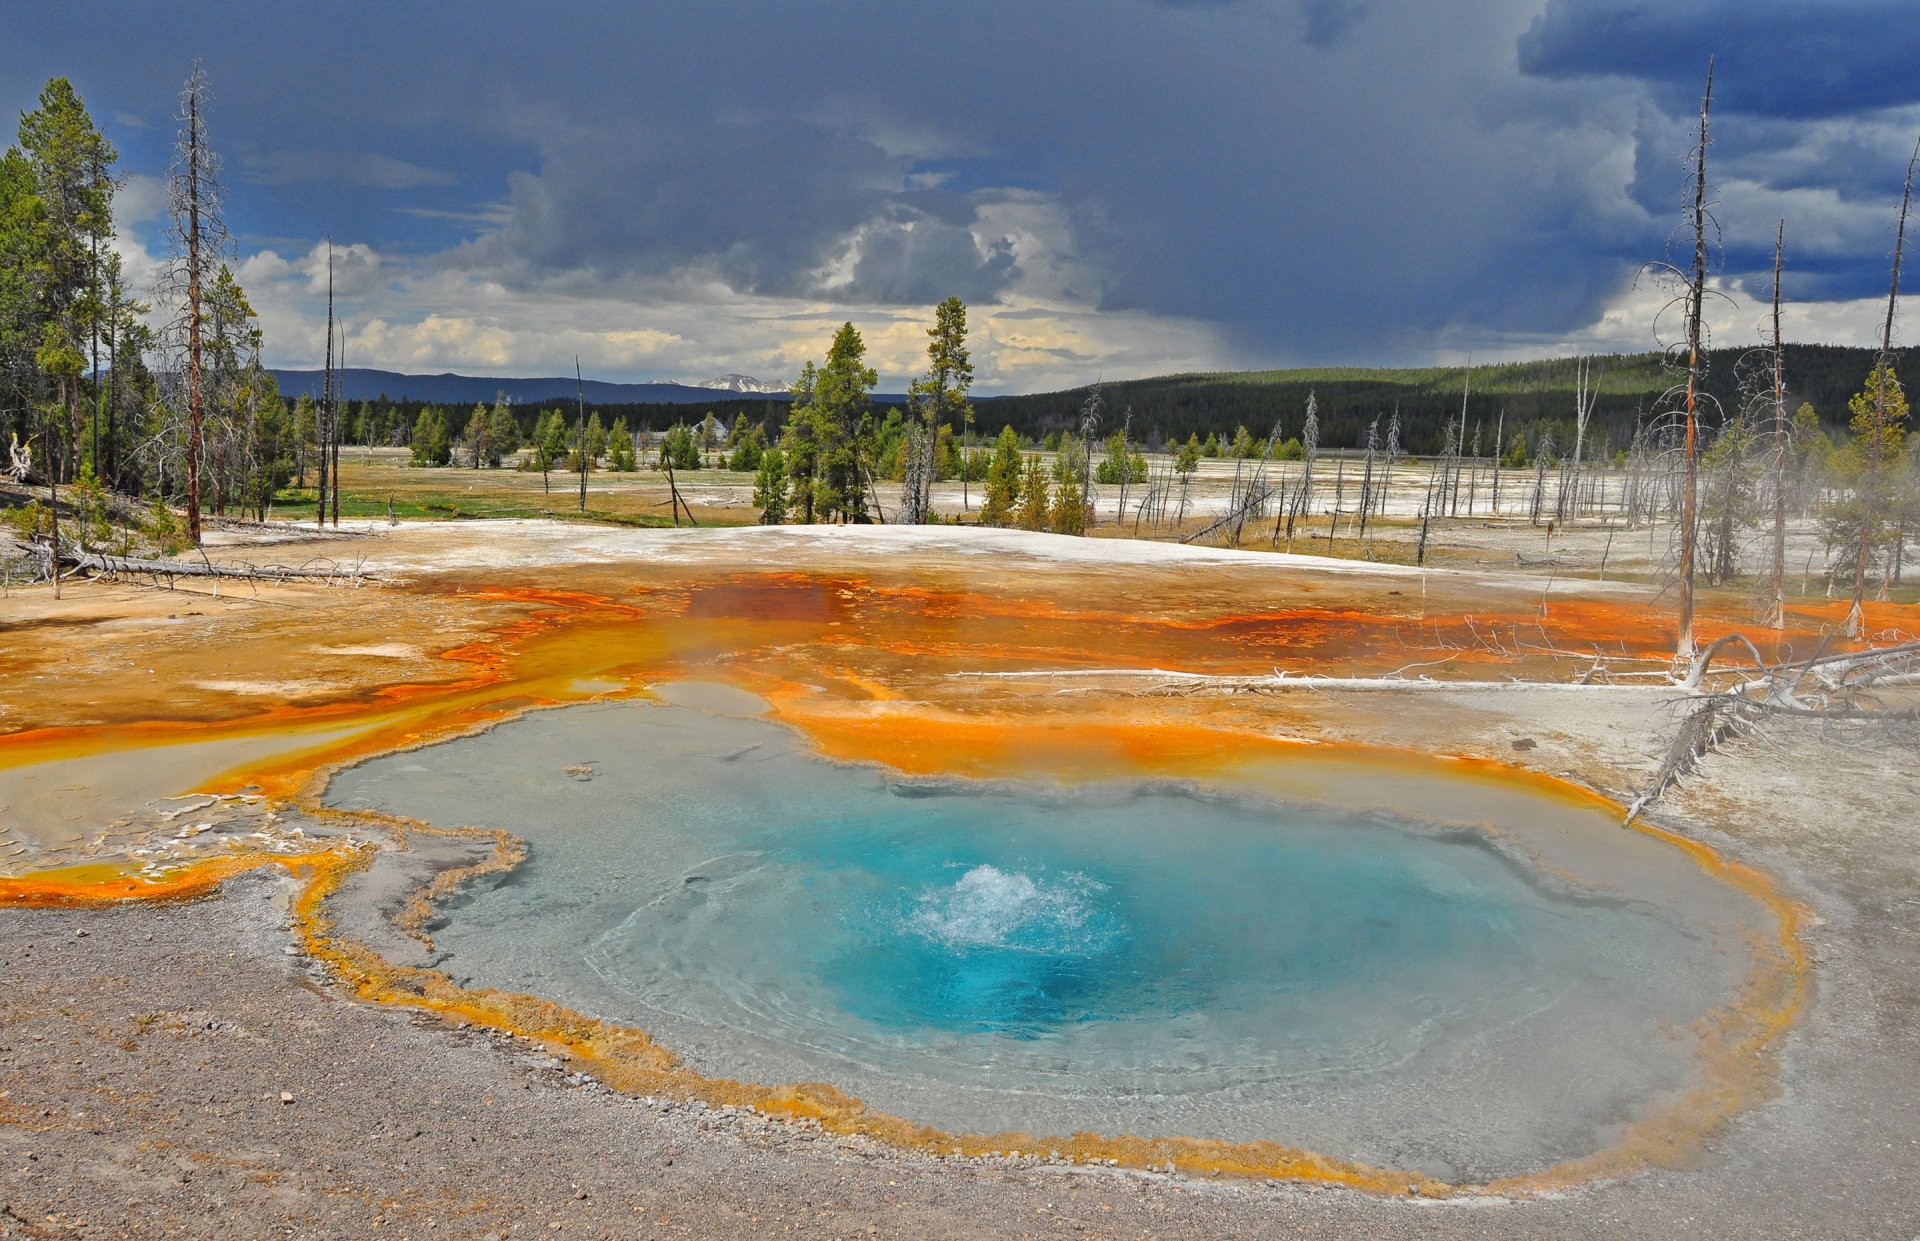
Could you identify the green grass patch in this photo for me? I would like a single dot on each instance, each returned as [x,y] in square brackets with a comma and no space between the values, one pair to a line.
[290,503]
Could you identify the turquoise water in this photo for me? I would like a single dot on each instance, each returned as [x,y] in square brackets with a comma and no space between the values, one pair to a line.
[1130,957]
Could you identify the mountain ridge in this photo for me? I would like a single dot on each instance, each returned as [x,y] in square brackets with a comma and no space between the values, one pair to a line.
[365,383]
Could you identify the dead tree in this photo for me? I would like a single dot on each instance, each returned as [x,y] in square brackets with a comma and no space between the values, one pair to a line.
[1339,496]
[1541,452]
[1696,290]
[1303,494]
[1689,396]
[198,242]
[1366,479]
[1831,690]
[1775,610]
[1583,402]
[1499,448]
[1393,457]
[580,399]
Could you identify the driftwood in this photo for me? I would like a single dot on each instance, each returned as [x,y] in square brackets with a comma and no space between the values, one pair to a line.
[1828,688]
[132,566]
[293,532]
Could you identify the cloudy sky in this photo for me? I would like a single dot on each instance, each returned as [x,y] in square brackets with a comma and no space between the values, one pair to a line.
[1122,188]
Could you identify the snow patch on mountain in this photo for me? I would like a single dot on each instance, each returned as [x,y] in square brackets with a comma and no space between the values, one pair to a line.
[741,383]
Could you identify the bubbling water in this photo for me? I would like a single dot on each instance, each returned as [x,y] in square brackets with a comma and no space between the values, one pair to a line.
[1124,957]
[990,908]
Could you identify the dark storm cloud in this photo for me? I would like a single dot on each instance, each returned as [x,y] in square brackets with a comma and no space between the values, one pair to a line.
[1804,58]
[1328,21]
[358,168]
[766,207]
[1324,180]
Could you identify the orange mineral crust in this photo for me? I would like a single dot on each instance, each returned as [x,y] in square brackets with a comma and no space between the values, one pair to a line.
[882,666]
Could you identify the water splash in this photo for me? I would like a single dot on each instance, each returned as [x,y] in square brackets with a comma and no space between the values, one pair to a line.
[991,908]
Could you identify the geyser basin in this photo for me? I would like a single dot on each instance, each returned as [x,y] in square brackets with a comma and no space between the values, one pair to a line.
[1497,985]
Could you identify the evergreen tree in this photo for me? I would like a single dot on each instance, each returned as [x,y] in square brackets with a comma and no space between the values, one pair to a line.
[620,455]
[839,420]
[939,399]
[747,451]
[69,162]
[679,449]
[474,440]
[770,488]
[1035,489]
[1864,517]
[596,439]
[800,448]
[549,446]
[503,430]
[1187,460]
[306,435]
[1003,480]
[432,443]
[1069,508]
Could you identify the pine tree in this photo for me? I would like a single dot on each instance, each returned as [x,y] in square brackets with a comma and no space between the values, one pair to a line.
[770,488]
[939,398]
[503,431]
[620,455]
[474,439]
[69,161]
[1861,517]
[839,420]
[432,442]
[1003,480]
[1035,488]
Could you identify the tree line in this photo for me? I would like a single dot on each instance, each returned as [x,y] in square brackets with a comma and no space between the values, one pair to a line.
[112,393]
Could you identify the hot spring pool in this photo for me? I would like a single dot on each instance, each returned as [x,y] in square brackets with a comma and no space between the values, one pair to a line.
[1124,957]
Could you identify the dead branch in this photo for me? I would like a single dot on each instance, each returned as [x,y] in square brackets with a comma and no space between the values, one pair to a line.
[1703,729]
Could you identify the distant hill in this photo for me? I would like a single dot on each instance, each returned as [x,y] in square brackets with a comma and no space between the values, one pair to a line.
[361,384]
[1524,397]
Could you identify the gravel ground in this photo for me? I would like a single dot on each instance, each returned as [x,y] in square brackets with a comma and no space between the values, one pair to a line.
[180,1070]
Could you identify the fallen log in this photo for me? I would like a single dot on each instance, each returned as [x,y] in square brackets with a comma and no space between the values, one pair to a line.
[204,568]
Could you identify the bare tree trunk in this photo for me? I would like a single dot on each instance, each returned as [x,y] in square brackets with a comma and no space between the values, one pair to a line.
[99,470]
[51,436]
[580,398]
[1582,410]
[1499,447]
[1696,290]
[1776,617]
